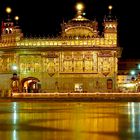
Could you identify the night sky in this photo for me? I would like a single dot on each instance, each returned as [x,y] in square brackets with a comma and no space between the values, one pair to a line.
[43,18]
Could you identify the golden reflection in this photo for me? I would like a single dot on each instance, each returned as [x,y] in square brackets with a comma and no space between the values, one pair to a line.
[71,121]
[77,121]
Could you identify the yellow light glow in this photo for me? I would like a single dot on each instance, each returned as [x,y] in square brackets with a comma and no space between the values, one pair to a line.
[130,85]
[17,18]
[110,7]
[79,6]
[8,10]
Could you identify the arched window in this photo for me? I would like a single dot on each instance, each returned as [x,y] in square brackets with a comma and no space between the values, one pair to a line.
[10,31]
[7,31]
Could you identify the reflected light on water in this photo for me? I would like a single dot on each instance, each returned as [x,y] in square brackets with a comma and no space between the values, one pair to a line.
[69,121]
[14,112]
[134,116]
[131,112]
[14,135]
[14,132]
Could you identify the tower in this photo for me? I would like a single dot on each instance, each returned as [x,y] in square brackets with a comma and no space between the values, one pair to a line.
[110,26]
[10,31]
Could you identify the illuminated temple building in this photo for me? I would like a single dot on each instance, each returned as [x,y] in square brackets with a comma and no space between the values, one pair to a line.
[79,60]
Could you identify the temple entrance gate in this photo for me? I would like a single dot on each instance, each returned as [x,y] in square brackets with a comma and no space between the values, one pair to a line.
[30,85]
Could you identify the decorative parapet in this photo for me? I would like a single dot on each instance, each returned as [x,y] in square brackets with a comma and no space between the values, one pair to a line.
[100,42]
[8,44]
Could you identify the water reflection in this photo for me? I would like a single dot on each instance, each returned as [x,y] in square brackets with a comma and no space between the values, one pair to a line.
[134,119]
[15,117]
[69,121]
[14,135]
[14,112]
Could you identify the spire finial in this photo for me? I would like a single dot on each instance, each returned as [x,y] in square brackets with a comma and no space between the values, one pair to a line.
[79,7]
[109,16]
[16,18]
[8,10]
[110,8]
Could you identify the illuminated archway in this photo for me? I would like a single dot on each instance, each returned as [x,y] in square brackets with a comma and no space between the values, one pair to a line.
[30,85]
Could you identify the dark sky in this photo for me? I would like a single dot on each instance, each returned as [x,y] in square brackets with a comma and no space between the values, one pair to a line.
[43,18]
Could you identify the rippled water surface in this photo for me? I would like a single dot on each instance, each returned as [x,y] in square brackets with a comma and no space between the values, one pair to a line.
[42,120]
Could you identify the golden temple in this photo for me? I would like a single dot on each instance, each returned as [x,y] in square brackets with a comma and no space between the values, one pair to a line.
[79,60]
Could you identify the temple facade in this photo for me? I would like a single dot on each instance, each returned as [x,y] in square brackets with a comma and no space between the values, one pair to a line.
[79,60]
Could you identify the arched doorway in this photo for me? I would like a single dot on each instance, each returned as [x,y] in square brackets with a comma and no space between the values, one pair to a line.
[30,85]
